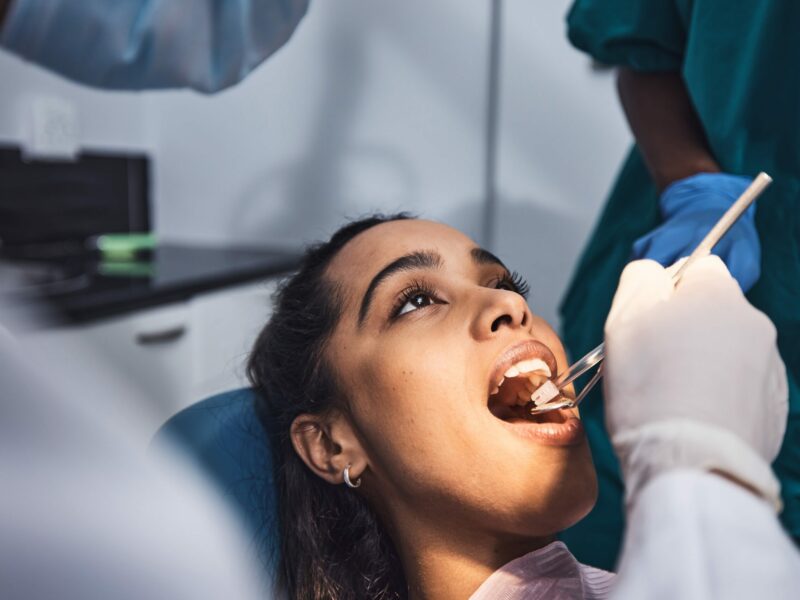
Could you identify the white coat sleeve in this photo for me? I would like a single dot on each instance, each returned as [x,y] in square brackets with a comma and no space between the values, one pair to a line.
[694,535]
[207,45]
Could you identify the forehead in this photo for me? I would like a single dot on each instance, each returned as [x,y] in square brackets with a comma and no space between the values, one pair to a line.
[366,254]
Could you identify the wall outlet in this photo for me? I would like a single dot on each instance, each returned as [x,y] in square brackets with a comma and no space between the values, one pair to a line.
[53,129]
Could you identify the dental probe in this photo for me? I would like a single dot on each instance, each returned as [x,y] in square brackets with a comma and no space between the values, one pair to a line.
[542,398]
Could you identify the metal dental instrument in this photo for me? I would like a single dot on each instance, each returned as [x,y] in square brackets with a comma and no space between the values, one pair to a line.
[555,388]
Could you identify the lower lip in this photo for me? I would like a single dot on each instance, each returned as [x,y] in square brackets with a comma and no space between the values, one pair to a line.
[568,433]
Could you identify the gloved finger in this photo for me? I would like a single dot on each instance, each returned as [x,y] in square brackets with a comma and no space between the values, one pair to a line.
[656,246]
[743,261]
[706,276]
[643,284]
[668,244]
[673,269]
[642,245]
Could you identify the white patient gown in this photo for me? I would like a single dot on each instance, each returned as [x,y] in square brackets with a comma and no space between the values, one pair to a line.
[550,572]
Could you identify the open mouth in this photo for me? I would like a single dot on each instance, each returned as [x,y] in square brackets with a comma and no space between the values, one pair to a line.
[518,372]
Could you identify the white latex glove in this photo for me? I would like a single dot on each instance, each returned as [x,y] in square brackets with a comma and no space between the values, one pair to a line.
[693,378]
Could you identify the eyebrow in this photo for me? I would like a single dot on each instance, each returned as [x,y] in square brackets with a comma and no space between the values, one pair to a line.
[422,259]
[482,256]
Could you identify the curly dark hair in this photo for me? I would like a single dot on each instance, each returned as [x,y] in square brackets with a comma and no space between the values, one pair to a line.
[332,544]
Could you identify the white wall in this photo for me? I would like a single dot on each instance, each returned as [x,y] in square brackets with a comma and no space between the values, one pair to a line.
[562,139]
[374,105]
[381,105]
[370,105]
[108,120]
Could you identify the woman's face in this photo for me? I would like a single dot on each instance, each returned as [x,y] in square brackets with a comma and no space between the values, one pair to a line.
[429,326]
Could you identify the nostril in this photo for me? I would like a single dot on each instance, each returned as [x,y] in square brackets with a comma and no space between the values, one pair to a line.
[524,321]
[505,319]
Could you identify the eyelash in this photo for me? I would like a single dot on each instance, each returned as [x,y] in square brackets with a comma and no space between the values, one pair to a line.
[514,280]
[415,288]
[517,283]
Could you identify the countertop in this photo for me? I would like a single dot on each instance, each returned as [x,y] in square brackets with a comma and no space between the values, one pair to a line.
[82,288]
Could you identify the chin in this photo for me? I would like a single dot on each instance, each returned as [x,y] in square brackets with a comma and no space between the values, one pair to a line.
[573,500]
[582,499]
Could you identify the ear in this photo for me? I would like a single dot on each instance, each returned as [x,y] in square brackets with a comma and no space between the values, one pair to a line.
[327,444]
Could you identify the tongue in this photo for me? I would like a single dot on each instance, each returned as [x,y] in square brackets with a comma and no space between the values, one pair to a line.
[516,413]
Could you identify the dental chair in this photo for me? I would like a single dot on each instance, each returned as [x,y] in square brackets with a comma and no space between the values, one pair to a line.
[223,436]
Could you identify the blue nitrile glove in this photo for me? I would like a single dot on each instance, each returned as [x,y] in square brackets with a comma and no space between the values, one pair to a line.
[690,207]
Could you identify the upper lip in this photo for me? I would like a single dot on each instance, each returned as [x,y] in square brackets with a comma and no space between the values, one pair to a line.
[524,350]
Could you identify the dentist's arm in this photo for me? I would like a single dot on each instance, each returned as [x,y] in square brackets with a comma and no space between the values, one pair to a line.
[666,127]
[694,193]
[696,405]
[207,45]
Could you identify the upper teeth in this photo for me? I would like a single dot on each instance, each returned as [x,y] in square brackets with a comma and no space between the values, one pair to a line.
[535,369]
[533,365]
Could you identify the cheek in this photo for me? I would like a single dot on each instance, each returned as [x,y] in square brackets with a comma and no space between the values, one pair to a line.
[410,392]
[407,407]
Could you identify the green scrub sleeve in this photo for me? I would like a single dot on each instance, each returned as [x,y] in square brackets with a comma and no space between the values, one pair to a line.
[644,35]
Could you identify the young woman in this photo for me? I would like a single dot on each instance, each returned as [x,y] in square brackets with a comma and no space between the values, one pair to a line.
[393,376]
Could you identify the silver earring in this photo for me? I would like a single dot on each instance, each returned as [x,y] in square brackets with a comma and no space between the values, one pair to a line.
[349,483]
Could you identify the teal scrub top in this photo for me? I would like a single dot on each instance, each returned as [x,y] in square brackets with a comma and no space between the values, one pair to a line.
[741,65]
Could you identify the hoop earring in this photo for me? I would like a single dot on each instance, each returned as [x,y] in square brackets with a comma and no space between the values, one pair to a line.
[347,480]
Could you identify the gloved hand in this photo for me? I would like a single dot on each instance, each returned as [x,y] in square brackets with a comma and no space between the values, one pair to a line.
[690,208]
[693,378]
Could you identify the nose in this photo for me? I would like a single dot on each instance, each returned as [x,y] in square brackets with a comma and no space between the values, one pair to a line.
[499,309]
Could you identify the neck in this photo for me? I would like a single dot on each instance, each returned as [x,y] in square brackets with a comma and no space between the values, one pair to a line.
[443,563]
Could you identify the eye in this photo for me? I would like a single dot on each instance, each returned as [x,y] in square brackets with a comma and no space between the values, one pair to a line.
[416,296]
[415,302]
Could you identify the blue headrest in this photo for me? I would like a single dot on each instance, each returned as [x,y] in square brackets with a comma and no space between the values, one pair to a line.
[224,437]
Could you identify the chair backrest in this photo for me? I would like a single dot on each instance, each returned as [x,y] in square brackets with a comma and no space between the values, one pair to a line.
[225,438]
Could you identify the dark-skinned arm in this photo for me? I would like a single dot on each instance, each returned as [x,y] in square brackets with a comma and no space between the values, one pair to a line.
[665,125]
[694,193]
